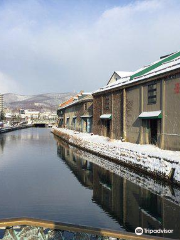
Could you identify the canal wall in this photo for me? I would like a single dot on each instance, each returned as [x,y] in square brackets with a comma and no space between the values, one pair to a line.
[10,129]
[158,187]
[149,159]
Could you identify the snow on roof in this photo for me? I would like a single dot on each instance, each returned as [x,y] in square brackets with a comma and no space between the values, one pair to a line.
[156,64]
[86,93]
[83,99]
[150,114]
[106,116]
[70,100]
[118,83]
[165,67]
[86,116]
[123,74]
[168,64]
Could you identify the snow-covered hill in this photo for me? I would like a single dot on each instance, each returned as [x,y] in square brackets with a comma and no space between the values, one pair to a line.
[42,102]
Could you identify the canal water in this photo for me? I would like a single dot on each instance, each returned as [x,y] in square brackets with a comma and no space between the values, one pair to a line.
[43,177]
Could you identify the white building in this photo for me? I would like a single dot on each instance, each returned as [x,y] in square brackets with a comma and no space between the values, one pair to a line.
[48,116]
[29,114]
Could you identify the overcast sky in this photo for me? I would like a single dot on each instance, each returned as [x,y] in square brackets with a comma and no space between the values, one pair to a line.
[71,45]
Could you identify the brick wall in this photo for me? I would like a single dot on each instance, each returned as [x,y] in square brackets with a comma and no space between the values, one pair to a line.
[115,108]
[97,111]
[117,117]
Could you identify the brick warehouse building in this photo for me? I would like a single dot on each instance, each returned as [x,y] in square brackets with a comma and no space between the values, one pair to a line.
[142,107]
[77,113]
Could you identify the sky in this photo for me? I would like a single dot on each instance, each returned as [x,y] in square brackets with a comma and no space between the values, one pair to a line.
[72,45]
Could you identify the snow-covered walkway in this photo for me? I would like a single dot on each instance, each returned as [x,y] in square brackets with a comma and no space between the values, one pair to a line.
[149,158]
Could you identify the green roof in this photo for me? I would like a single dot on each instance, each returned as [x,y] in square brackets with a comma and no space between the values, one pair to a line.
[155,65]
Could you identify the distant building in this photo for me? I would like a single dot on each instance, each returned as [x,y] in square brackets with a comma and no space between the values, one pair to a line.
[8,116]
[29,114]
[141,107]
[76,113]
[21,111]
[48,116]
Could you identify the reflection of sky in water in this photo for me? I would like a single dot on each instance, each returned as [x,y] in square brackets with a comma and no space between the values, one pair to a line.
[36,183]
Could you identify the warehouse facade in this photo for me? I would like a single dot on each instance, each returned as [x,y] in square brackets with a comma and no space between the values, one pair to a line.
[142,107]
[77,113]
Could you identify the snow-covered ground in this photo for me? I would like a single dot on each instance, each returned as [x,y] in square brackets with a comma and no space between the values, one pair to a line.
[146,157]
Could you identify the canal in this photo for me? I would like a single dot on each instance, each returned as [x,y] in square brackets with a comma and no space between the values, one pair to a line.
[43,177]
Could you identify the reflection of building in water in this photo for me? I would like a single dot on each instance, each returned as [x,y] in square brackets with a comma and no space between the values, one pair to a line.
[132,205]
[128,203]
[2,143]
[108,192]
[14,137]
[82,169]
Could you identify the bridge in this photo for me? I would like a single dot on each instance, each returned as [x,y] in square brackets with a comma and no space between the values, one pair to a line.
[44,122]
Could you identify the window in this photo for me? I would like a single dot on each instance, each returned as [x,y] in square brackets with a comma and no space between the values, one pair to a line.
[74,123]
[67,121]
[152,94]
[61,122]
[85,106]
[106,103]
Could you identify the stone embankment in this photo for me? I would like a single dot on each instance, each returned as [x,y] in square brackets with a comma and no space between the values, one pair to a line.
[10,129]
[149,159]
[158,187]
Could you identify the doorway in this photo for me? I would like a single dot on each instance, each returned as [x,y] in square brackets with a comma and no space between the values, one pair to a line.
[84,125]
[153,131]
[108,130]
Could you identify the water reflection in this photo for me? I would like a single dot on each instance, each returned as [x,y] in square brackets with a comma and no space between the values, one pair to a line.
[36,183]
[16,137]
[77,187]
[2,144]
[82,169]
[131,199]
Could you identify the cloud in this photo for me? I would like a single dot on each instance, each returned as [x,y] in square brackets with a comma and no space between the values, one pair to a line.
[47,51]
[7,84]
